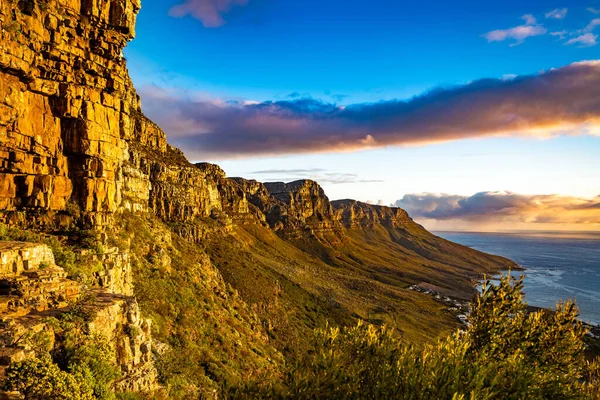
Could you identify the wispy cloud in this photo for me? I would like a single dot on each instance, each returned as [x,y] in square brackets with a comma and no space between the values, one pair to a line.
[591,26]
[297,95]
[585,40]
[289,171]
[503,207]
[518,33]
[561,34]
[323,176]
[594,10]
[210,12]
[559,13]
[563,101]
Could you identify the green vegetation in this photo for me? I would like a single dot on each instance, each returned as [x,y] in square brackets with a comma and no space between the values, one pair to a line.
[207,336]
[43,379]
[71,364]
[63,249]
[506,353]
[63,254]
[250,314]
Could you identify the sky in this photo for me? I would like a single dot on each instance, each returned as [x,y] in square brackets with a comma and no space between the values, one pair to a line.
[470,115]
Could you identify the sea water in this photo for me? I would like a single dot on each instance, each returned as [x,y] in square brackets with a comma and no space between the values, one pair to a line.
[558,266]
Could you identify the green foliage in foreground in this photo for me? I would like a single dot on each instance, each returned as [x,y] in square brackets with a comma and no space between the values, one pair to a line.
[43,379]
[71,364]
[506,353]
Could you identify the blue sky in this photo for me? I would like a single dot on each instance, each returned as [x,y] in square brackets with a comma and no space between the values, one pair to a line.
[349,53]
[363,49]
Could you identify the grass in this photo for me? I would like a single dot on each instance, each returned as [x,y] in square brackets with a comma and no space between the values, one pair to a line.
[196,314]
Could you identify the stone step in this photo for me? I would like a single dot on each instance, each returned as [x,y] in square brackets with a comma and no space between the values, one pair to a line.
[30,281]
[17,257]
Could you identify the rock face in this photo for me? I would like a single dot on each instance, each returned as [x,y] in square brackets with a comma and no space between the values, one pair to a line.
[71,129]
[66,103]
[30,281]
[354,214]
[306,203]
[33,288]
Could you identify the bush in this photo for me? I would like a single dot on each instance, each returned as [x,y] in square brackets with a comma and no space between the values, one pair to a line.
[92,361]
[506,353]
[42,379]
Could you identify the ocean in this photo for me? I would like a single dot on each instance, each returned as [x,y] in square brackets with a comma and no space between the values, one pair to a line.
[558,266]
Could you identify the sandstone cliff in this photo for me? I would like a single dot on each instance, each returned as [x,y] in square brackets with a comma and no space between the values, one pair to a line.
[71,127]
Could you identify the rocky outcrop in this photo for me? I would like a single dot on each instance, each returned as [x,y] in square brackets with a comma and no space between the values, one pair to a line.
[291,208]
[355,214]
[305,199]
[117,318]
[71,128]
[66,103]
[33,288]
[30,281]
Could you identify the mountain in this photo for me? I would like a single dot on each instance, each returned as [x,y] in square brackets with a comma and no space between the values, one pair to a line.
[194,280]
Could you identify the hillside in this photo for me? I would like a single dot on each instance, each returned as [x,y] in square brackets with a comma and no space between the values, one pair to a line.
[192,280]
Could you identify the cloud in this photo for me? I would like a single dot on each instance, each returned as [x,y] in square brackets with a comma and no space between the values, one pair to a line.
[585,40]
[297,95]
[318,174]
[591,26]
[208,11]
[503,207]
[518,33]
[561,34]
[339,97]
[563,101]
[289,171]
[377,203]
[559,13]
[529,19]
[594,10]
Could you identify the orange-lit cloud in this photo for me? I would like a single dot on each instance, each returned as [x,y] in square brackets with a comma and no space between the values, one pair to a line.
[208,11]
[503,211]
[563,101]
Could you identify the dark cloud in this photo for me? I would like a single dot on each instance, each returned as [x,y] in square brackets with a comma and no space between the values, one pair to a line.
[502,207]
[339,97]
[297,95]
[564,101]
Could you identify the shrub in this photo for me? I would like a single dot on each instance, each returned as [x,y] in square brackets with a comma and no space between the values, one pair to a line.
[42,379]
[506,353]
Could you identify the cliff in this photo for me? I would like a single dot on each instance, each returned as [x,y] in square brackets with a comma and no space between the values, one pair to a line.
[195,280]
[71,127]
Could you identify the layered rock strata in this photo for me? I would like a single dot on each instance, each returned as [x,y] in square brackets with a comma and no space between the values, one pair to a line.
[33,289]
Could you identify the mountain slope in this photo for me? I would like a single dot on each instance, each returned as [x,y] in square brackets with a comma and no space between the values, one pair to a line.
[344,261]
